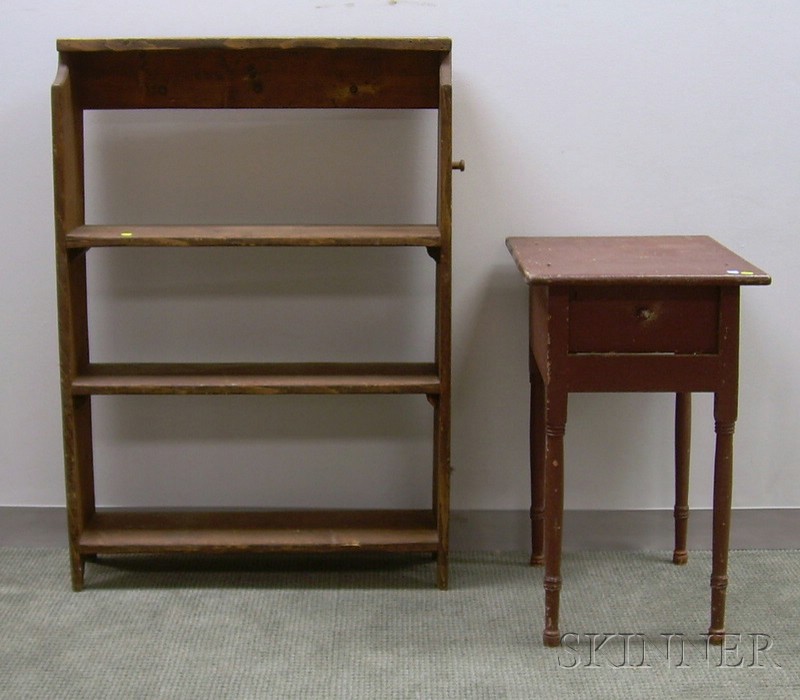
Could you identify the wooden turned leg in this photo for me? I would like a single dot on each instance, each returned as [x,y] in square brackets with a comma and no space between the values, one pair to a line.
[683,433]
[723,488]
[537,450]
[556,417]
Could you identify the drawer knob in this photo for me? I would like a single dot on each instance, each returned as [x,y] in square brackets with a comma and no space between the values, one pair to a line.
[644,313]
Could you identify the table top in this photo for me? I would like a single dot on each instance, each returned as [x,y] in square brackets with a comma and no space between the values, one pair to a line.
[631,259]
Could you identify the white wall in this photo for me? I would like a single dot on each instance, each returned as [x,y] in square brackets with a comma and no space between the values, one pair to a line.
[574,117]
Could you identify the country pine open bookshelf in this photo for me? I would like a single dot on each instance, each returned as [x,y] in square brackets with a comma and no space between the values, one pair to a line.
[244,74]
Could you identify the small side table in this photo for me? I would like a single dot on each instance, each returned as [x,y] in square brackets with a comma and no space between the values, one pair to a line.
[642,313]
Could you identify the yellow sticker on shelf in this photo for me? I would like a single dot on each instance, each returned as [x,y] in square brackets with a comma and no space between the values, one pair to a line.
[126,234]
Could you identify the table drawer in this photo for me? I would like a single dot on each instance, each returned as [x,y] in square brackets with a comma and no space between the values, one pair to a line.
[643,319]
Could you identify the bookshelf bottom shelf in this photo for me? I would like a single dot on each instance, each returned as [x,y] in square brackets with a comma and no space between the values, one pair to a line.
[118,532]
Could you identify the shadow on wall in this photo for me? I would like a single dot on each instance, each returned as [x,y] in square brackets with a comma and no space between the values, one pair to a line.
[263,451]
[299,166]
[262,304]
[490,390]
[262,166]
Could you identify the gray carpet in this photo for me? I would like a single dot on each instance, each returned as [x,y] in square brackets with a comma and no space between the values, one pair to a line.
[299,627]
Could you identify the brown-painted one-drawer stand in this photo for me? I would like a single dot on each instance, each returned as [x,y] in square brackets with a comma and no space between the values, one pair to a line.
[643,313]
[221,74]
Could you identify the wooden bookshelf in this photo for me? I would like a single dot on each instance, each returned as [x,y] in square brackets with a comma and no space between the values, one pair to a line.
[244,74]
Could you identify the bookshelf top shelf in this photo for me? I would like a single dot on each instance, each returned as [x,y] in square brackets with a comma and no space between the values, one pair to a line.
[439,44]
[255,73]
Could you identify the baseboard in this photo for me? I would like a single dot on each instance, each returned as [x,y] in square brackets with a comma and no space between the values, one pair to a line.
[761,528]
[509,530]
